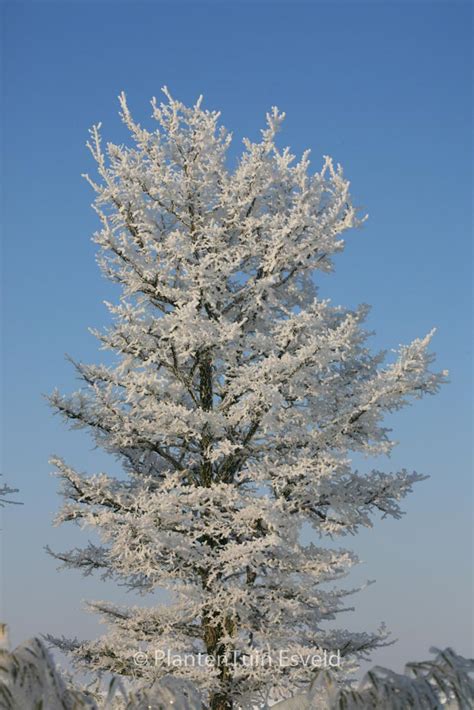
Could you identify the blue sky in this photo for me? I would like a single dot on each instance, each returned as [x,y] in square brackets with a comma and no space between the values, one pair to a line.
[382,87]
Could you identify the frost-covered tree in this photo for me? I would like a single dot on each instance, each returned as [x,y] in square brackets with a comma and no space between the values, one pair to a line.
[234,403]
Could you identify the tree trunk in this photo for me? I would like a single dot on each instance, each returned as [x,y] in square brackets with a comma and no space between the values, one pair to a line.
[220,701]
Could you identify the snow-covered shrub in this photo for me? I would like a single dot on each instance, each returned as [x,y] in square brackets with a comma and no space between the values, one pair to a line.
[444,682]
[29,680]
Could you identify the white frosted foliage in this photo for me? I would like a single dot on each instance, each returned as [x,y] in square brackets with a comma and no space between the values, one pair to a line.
[236,400]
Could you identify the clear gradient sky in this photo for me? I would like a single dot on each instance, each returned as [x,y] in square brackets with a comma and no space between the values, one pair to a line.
[382,87]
